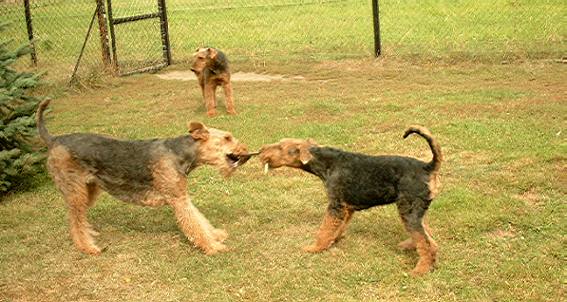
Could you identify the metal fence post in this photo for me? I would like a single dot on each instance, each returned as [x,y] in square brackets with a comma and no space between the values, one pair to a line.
[112,37]
[103,32]
[30,31]
[164,31]
[376,19]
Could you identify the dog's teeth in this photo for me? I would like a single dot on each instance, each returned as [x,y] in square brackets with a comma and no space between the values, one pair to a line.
[266,168]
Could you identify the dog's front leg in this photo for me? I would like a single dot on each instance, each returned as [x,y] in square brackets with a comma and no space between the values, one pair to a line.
[197,228]
[218,234]
[209,95]
[333,226]
[228,96]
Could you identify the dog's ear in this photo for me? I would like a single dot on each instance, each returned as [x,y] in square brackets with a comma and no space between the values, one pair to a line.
[198,131]
[212,53]
[304,154]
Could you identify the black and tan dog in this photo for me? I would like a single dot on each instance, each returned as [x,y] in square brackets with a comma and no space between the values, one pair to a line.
[356,182]
[145,172]
[210,65]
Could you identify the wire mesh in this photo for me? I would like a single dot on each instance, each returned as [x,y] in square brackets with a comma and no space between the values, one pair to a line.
[478,30]
[281,30]
[276,29]
[59,30]
[138,43]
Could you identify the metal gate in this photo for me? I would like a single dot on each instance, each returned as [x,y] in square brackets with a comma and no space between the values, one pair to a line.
[139,40]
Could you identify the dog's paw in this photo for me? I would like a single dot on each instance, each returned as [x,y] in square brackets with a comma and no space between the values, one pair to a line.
[220,235]
[312,249]
[91,250]
[216,248]
[407,244]
[421,270]
[92,232]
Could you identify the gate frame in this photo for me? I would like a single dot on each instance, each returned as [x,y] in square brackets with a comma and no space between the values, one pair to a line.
[164,29]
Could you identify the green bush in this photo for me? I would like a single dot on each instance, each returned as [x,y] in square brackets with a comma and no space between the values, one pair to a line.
[18,159]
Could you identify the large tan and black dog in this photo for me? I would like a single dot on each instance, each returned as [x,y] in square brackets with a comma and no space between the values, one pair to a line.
[210,65]
[356,182]
[145,172]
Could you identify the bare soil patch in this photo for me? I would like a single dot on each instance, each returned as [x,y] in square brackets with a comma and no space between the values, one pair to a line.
[237,77]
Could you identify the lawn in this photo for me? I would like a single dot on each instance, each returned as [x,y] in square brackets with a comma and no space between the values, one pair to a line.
[499,219]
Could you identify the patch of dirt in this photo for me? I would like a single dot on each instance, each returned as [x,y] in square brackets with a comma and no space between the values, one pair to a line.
[531,197]
[236,77]
[503,234]
[475,157]
[560,167]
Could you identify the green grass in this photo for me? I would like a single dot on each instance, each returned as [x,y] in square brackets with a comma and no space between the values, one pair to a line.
[260,31]
[499,219]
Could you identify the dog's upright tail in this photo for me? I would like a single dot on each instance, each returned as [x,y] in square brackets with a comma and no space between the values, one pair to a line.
[43,133]
[435,163]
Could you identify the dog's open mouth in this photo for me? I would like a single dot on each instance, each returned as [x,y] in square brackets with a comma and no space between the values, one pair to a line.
[236,160]
[233,160]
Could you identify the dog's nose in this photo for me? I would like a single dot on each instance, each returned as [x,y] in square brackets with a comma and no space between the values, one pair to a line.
[265,148]
[242,148]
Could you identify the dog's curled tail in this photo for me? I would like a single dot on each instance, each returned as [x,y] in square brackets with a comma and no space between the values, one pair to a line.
[43,133]
[435,163]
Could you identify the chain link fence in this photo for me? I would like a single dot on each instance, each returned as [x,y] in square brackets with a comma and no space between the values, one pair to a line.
[281,30]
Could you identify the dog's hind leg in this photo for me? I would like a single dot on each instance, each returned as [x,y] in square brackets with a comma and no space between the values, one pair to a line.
[407,244]
[79,193]
[433,245]
[81,230]
[419,232]
[92,193]
[348,212]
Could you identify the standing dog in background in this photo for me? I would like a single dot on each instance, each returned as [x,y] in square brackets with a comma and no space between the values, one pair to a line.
[210,65]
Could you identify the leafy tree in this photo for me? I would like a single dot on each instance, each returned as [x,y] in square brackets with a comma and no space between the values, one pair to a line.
[18,159]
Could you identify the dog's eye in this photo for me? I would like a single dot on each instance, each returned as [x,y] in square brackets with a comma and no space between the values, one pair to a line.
[293,151]
[228,138]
